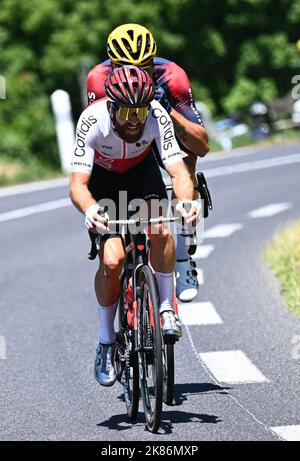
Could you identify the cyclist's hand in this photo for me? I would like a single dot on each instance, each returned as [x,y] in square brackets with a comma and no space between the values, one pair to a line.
[192,215]
[162,98]
[94,222]
[102,223]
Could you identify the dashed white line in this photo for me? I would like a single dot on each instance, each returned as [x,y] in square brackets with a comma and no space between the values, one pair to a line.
[269,210]
[199,314]
[33,186]
[289,433]
[2,348]
[41,208]
[232,367]
[200,276]
[231,397]
[251,166]
[203,251]
[222,230]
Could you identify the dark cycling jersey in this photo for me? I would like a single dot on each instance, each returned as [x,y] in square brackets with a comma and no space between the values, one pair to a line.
[167,74]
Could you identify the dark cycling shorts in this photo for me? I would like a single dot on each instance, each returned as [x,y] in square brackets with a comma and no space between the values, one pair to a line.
[144,181]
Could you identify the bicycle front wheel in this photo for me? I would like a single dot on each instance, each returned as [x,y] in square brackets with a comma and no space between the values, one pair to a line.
[168,362]
[150,349]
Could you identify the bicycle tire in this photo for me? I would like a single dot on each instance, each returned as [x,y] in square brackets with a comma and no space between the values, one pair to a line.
[150,336]
[130,379]
[168,356]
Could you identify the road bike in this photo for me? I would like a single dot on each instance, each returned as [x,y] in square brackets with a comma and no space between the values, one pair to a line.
[145,361]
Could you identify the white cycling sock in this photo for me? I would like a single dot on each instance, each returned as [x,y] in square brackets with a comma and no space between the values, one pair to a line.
[107,333]
[181,248]
[165,284]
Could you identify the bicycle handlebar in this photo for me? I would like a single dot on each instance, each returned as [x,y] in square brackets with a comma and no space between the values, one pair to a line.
[139,221]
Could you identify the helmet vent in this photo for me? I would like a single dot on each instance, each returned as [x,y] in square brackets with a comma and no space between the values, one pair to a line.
[130,33]
[135,55]
[147,48]
[117,47]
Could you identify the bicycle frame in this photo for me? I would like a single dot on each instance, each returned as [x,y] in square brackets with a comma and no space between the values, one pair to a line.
[137,247]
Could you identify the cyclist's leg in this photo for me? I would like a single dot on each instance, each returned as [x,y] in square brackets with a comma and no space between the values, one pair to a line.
[104,185]
[187,285]
[111,258]
[162,258]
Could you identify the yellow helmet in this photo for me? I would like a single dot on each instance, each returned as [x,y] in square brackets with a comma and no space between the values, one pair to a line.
[131,44]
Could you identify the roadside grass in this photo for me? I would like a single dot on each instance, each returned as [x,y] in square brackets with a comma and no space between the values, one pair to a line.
[283,255]
[18,173]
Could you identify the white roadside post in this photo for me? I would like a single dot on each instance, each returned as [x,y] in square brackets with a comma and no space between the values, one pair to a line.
[61,106]
[2,87]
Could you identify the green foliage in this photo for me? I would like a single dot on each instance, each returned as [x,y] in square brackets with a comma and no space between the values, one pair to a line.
[234,51]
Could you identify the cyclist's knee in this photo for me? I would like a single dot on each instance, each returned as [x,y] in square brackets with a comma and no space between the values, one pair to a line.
[112,258]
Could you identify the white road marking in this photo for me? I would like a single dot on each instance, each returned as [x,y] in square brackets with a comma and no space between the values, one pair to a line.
[232,367]
[289,433]
[269,210]
[2,348]
[200,276]
[252,166]
[209,173]
[222,230]
[198,314]
[33,186]
[225,391]
[203,251]
[22,212]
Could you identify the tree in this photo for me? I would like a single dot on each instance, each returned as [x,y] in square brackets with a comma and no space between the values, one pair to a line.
[234,51]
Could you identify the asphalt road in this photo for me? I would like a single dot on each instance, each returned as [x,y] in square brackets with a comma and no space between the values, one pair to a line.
[237,366]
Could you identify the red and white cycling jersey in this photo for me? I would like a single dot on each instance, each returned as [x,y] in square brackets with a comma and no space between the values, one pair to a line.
[98,143]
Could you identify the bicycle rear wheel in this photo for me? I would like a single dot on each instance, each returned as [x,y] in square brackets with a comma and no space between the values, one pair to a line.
[168,362]
[130,374]
[150,349]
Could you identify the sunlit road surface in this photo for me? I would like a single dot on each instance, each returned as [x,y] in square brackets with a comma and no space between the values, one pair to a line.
[237,364]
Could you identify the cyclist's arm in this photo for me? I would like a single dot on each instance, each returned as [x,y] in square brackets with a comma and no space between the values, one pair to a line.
[79,192]
[169,150]
[183,187]
[187,120]
[193,136]
[95,83]
[82,162]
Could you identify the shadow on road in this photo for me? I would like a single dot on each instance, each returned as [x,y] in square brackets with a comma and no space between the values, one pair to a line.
[183,391]
[171,417]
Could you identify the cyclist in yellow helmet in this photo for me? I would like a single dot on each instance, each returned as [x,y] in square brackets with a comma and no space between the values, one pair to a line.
[134,44]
